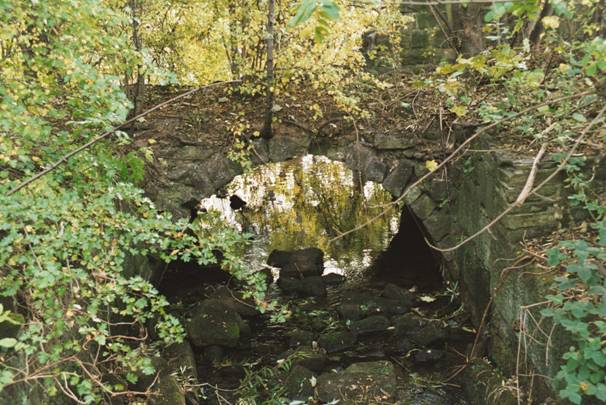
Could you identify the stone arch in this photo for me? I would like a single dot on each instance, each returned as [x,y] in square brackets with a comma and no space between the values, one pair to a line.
[193,172]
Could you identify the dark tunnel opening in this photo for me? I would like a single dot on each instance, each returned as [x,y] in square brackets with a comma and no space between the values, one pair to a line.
[408,260]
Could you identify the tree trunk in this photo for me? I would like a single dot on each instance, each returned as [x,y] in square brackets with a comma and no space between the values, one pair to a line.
[535,34]
[139,89]
[469,19]
[267,132]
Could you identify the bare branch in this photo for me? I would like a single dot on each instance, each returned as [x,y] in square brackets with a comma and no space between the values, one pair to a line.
[531,176]
[454,154]
[560,167]
[93,141]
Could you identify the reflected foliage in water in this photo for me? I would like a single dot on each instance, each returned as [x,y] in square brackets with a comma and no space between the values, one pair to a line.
[307,202]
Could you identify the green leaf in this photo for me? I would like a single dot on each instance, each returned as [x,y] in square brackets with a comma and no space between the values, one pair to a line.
[554,257]
[330,9]
[304,12]
[8,343]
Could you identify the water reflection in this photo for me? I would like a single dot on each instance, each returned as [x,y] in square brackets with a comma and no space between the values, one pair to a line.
[306,202]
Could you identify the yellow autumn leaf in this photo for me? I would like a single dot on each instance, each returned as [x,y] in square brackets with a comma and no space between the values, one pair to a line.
[460,110]
[431,165]
[551,21]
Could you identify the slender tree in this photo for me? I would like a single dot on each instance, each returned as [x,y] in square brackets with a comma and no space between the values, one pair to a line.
[267,132]
[139,88]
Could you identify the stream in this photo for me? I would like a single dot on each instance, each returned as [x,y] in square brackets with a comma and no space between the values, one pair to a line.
[366,318]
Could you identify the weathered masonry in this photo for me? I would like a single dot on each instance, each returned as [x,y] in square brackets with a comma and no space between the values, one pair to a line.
[452,205]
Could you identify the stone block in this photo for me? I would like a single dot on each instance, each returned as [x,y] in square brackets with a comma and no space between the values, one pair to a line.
[399,141]
[282,148]
[419,38]
[399,177]
[423,207]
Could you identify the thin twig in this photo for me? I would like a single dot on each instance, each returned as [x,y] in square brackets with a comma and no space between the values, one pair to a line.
[560,167]
[531,176]
[453,155]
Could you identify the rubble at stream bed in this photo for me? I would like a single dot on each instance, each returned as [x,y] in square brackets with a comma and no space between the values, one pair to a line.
[362,342]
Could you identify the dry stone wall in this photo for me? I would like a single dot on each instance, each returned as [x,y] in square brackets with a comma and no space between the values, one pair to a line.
[450,207]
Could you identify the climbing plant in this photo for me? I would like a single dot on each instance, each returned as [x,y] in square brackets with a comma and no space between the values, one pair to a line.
[542,51]
[77,320]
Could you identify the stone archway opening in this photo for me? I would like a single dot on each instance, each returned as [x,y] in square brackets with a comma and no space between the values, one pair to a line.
[307,202]
[408,260]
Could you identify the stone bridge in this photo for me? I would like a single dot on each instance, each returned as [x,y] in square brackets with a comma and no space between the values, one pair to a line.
[452,205]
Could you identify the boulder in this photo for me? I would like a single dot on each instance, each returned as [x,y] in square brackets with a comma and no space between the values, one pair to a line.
[299,337]
[214,354]
[333,279]
[289,286]
[337,341]
[236,301]
[426,356]
[388,306]
[284,147]
[394,292]
[168,391]
[245,330]
[402,346]
[429,396]
[164,384]
[358,306]
[298,263]
[372,324]
[214,323]
[313,287]
[308,287]
[420,331]
[364,160]
[180,356]
[298,384]
[351,312]
[398,141]
[368,383]
[314,360]
[368,303]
